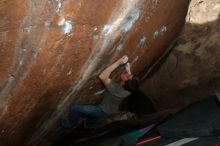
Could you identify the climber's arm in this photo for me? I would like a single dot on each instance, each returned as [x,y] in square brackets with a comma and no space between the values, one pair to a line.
[105,75]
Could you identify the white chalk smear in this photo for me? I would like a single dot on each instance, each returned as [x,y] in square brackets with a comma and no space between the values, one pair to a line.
[67,25]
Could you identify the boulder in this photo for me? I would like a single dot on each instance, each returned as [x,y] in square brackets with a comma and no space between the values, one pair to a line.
[53,51]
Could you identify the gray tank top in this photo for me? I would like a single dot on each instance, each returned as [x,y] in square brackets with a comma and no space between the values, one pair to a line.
[112,97]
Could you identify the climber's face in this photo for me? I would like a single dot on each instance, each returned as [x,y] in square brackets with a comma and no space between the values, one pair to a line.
[125,76]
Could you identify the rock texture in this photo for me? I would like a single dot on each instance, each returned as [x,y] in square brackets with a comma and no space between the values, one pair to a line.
[53,50]
[192,70]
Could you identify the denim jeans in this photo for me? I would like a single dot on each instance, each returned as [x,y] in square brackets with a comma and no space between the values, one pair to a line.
[90,113]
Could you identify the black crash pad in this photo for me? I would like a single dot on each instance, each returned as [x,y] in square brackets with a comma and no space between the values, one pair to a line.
[199,119]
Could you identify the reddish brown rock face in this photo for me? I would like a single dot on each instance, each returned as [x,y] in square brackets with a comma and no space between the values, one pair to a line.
[52,52]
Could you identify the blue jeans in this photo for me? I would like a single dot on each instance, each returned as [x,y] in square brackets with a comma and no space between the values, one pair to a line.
[91,113]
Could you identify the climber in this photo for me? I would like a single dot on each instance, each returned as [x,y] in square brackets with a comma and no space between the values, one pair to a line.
[113,94]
